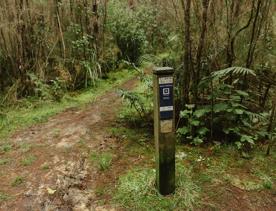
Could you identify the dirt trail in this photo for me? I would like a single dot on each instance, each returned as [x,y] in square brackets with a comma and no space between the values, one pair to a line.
[60,176]
[49,168]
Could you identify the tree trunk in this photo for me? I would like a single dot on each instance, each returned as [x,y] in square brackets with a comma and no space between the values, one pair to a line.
[95,26]
[185,75]
[205,5]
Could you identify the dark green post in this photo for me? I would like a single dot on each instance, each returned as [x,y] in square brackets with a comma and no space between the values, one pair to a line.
[164,129]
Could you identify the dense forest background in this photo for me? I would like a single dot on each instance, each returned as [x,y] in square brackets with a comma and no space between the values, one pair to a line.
[223,53]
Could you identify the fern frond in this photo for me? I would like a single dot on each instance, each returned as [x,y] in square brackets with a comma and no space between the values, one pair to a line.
[257,117]
[238,71]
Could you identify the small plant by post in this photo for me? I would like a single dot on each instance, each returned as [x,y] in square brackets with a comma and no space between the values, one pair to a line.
[164,129]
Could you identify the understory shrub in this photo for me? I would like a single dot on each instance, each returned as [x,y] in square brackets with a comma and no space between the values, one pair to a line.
[140,100]
[128,30]
[84,66]
[225,114]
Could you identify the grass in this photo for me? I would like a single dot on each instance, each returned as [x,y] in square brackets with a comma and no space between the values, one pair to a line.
[17,181]
[138,135]
[267,182]
[102,160]
[136,191]
[204,174]
[45,166]
[31,112]
[201,180]
[4,161]
[28,160]
[3,196]
[6,147]
[82,144]
[25,147]
[138,140]
[100,191]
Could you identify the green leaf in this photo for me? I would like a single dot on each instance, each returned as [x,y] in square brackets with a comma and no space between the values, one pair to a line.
[202,131]
[242,93]
[197,141]
[190,106]
[183,131]
[262,133]
[238,111]
[240,71]
[238,144]
[229,110]
[238,105]
[246,123]
[201,112]
[195,122]
[245,155]
[235,98]
[185,114]
[235,130]
[249,139]
[220,107]
[189,137]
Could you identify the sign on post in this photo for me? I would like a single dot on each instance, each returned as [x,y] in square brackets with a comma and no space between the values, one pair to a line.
[164,129]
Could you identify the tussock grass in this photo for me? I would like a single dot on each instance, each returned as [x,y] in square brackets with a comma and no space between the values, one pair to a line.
[136,191]
[102,160]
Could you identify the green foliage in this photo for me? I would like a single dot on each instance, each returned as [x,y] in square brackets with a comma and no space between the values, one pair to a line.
[53,90]
[57,89]
[45,166]
[136,191]
[267,182]
[25,147]
[237,71]
[6,147]
[84,57]
[135,101]
[195,131]
[103,160]
[28,160]
[3,196]
[128,30]
[18,181]
[226,115]
[4,161]
[140,99]
[32,111]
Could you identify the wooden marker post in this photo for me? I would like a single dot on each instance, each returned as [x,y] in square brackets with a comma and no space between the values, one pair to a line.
[164,129]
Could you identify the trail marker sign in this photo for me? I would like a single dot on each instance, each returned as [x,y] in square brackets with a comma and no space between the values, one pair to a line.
[164,129]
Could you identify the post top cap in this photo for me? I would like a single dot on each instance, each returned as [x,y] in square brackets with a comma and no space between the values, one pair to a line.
[163,70]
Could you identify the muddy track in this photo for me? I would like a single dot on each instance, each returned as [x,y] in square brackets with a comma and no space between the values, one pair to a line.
[61,176]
